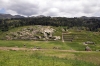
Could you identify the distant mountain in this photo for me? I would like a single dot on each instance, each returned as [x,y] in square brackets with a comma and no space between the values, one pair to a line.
[84,17]
[3,16]
[96,18]
[40,16]
[8,16]
[18,16]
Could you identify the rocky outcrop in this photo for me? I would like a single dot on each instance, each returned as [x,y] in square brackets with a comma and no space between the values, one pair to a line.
[33,33]
[48,32]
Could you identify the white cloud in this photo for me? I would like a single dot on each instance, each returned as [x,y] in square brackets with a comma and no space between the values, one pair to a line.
[68,8]
[11,12]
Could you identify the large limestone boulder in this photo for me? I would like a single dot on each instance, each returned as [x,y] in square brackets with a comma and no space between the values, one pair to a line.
[47,32]
[57,37]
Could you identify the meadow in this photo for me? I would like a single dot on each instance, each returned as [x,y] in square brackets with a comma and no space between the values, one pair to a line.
[65,55]
[48,57]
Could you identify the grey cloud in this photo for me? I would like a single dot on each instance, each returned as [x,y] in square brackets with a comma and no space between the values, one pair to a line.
[90,7]
[52,7]
[23,8]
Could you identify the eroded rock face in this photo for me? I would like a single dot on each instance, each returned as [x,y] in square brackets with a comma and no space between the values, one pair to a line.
[48,32]
[36,33]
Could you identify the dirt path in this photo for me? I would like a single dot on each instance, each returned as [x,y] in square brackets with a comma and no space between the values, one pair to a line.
[15,48]
[32,49]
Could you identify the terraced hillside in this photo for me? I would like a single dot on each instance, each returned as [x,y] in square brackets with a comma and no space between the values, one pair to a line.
[76,37]
[80,39]
[80,36]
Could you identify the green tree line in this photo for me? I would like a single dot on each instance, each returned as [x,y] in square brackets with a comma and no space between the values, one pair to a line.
[91,24]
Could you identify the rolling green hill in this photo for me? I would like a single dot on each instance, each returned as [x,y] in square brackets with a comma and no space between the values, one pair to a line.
[73,38]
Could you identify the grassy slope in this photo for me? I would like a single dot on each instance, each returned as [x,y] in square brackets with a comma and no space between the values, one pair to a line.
[50,57]
[32,44]
[77,44]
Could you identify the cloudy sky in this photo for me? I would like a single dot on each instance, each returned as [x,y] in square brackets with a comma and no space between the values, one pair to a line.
[63,8]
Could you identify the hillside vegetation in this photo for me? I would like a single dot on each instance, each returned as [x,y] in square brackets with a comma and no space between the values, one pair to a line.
[49,41]
[90,24]
[68,38]
[67,52]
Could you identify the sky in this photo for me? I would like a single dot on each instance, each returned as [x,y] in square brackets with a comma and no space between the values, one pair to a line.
[55,8]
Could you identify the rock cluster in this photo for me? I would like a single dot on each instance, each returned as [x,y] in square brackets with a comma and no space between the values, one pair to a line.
[33,33]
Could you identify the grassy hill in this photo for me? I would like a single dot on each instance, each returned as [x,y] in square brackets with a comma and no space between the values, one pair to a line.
[71,52]
[73,39]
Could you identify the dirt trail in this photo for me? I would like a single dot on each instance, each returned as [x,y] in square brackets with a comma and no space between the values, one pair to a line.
[15,48]
[32,49]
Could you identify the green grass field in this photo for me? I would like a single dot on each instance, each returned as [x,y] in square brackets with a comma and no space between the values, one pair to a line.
[75,56]
[51,58]
[33,44]
[78,46]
